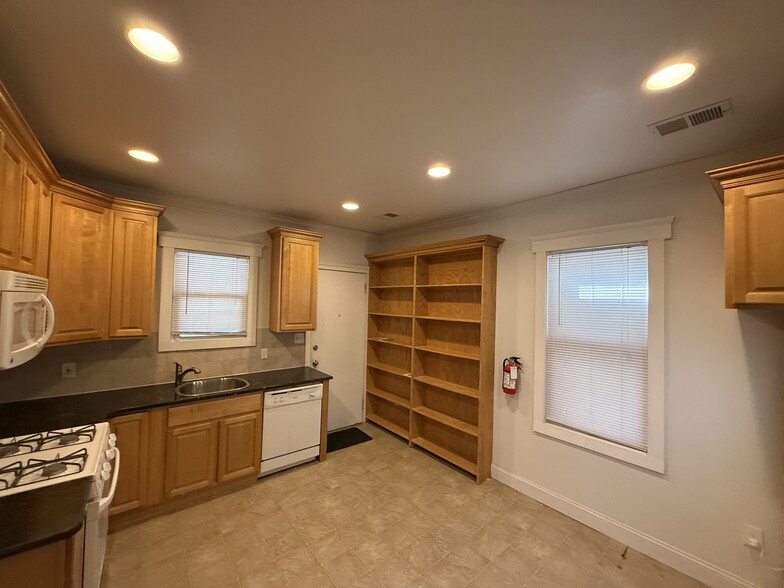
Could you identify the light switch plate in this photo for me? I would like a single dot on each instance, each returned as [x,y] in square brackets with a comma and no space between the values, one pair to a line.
[263,353]
[68,370]
[299,338]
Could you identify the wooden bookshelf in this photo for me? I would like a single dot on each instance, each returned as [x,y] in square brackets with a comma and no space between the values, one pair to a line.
[431,345]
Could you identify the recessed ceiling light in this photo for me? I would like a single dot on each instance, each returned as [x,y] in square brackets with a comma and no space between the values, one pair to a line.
[350,205]
[670,76]
[154,45]
[439,171]
[143,155]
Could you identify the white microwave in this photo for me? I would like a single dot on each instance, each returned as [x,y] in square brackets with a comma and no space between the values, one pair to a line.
[26,317]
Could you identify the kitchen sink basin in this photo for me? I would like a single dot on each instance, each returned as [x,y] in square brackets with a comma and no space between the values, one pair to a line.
[210,386]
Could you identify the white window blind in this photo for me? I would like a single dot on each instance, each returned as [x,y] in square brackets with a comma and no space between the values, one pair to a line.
[210,295]
[596,378]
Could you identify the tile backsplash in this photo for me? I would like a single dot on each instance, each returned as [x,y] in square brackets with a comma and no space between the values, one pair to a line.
[104,365]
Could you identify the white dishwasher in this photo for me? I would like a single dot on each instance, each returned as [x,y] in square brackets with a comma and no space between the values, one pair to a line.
[291,432]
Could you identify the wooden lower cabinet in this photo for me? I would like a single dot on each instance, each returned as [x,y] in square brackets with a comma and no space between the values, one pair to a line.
[54,565]
[191,454]
[132,433]
[211,443]
[239,447]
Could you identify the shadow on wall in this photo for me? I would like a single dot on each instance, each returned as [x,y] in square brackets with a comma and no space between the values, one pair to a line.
[762,353]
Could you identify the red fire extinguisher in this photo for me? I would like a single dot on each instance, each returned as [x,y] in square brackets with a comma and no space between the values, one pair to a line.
[512,370]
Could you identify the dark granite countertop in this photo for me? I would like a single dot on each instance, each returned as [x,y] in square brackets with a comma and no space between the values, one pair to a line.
[37,517]
[43,414]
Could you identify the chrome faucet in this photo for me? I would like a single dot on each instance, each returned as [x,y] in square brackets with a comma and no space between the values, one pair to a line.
[179,374]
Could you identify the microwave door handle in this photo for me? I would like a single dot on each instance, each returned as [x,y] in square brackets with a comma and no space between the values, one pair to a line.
[107,500]
[49,321]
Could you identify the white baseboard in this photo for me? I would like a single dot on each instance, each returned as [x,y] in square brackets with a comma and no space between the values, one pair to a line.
[672,556]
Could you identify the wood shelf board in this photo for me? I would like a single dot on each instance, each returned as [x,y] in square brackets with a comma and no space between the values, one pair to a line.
[390,369]
[388,341]
[463,285]
[448,352]
[444,453]
[448,386]
[387,424]
[389,397]
[408,316]
[448,319]
[447,420]
[401,287]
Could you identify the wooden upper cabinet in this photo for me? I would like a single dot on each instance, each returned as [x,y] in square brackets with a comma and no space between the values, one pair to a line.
[753,195]
[132,274]
[79,265]
[294,279]
[25,205]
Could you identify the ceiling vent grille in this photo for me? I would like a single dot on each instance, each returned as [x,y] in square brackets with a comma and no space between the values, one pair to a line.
[391,215]
[692,118]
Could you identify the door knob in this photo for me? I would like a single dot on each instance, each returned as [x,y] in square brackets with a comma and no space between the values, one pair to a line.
[315,348]
[315,363]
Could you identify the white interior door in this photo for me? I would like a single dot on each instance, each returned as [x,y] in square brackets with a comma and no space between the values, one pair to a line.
[339,343]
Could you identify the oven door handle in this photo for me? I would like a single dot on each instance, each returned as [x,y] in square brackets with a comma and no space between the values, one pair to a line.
[107,500]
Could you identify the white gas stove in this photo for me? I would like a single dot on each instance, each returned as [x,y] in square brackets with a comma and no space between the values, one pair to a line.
[36,460]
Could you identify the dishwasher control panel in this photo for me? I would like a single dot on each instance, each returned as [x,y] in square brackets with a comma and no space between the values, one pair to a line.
[293,395]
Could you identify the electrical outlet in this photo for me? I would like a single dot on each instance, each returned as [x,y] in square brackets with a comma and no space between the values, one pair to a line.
[68,370]
[263,353]
[752,538]
[299,338]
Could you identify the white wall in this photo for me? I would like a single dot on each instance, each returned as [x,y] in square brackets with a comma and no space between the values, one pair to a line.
[724,384]
[338,247]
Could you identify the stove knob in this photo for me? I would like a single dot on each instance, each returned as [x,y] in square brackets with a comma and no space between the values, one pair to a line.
[107,466]
[110,454]
[112,440]
[105,475]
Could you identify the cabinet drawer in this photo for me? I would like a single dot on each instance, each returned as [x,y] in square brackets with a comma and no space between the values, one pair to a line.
[213,409]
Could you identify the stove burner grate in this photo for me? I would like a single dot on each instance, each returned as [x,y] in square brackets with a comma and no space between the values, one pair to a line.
[38,469]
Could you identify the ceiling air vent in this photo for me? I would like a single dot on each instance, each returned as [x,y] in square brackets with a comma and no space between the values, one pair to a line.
[391,215]
[692,118]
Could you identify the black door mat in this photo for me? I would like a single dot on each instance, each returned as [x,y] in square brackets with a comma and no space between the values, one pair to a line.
[346,438]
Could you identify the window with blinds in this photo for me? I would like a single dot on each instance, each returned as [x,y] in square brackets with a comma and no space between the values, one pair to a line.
[596,337]
[209,295]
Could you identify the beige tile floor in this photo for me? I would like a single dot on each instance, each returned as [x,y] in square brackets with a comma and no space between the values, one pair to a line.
[377,514]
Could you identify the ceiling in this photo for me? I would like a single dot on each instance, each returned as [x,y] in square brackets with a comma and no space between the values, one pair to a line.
[292,107]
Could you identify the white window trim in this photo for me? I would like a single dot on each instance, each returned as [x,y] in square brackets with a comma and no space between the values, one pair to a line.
[653,232]
[170,241]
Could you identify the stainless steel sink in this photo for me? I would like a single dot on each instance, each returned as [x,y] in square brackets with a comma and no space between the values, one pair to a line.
[210,386]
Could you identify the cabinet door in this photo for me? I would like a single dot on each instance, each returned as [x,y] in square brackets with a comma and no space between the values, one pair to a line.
[239,447]
[191,453]
[11,200]
[294,283]
[133,274]
[754,245]
[34,238]
[79,266]
[132,440]
[25,202]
